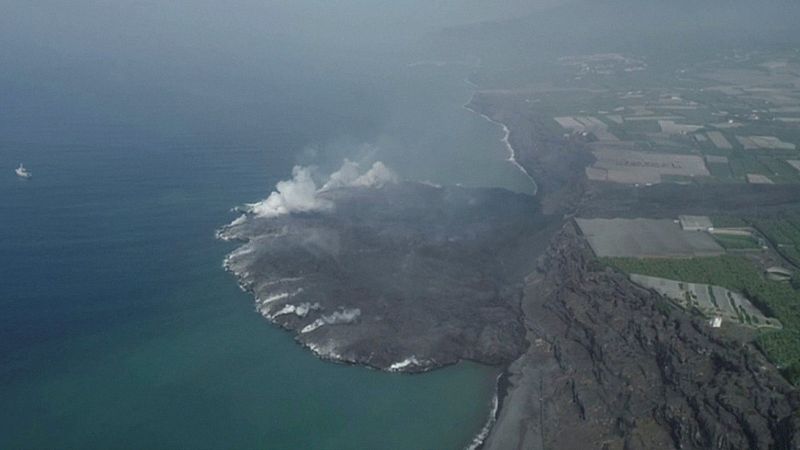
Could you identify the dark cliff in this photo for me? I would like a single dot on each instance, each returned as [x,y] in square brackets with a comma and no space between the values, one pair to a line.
[612,366]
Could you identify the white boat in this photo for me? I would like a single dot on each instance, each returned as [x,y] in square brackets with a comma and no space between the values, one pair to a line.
[22,172]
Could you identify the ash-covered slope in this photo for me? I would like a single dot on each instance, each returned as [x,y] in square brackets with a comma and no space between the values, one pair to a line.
[608,368]
[406,276]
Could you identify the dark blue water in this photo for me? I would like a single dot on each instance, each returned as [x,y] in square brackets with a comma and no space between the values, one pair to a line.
[118,326]
[120,329]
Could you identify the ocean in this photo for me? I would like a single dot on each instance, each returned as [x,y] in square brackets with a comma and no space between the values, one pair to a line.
[119,327]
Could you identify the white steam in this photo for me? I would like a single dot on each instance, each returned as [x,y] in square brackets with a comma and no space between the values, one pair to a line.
[300,310]
[337,317]
[300,194]
[411,361]
[296,195]
[348,176]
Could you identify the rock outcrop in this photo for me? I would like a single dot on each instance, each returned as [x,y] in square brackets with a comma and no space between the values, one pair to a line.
[611,365]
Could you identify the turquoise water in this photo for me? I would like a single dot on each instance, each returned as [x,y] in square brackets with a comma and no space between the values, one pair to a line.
[120,328]
[143,127]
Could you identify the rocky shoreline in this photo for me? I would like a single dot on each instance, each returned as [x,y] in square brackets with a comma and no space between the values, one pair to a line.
[407,277]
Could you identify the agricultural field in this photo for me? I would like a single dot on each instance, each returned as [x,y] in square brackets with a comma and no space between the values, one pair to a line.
[644,238]
[773,298]
[709,300]
[718,112]
[729,222]
[737,242]
[784,234]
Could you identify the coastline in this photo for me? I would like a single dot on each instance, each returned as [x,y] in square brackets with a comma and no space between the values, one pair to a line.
[384,336]
[410,366]
[512,154]
[480,438]
[503,384]
[408,363]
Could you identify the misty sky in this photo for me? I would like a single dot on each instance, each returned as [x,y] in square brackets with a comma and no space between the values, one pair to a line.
[231,67]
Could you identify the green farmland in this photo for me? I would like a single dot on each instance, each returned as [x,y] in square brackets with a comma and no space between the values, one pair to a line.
[774,298]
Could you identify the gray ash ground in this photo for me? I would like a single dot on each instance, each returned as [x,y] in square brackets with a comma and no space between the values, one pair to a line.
[404,277]
[608,368]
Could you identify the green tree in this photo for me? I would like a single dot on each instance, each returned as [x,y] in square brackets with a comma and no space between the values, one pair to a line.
[795,281]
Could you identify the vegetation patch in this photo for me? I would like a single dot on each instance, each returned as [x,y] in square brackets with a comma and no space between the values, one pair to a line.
[737,242]
[784,234]
[775,299]
[728,222]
